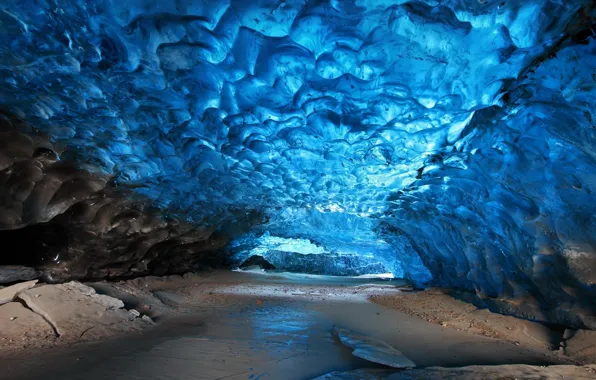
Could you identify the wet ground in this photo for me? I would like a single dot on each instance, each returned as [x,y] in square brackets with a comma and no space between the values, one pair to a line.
[272,327]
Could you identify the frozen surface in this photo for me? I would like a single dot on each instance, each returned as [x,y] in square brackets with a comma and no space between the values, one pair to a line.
[453,140]
[302,256]
[373,350]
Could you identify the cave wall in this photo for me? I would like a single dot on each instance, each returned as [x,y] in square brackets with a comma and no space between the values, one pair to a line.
[34,185]
[70,223]
[508,211]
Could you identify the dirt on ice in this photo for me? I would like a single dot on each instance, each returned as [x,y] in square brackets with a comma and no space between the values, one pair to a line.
[229,325]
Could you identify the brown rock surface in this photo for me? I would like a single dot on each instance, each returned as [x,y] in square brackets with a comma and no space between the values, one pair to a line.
[77,312]
[20,327]
[9,293]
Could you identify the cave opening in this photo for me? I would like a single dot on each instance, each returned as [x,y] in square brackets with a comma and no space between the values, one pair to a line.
[405,186]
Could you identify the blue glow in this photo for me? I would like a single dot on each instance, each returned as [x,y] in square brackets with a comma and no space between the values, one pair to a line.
[268,242]
[451,140]
[301,255]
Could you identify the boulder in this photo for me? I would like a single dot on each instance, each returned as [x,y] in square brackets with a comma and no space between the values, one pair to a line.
[75,310]
[9,293]
[257,261]
[372,349]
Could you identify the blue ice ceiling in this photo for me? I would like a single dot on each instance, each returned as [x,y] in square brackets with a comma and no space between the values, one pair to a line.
[332,104]
[461,132]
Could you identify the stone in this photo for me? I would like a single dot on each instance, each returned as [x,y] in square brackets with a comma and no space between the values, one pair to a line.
[103,300]
[75,310]
[373,350]
[257,261]
[147,319]
[14,273]
[134,313]
[9,293]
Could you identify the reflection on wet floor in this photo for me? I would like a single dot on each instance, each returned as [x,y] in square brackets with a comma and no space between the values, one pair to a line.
[253,336]
[283,323]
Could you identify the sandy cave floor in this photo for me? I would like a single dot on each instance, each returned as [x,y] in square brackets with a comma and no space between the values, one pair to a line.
[227,325]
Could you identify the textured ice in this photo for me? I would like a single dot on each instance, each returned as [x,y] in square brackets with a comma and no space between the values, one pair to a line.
[323,104]
[348,238]
[268,242]
[454,138]
[329,264]
[303,256]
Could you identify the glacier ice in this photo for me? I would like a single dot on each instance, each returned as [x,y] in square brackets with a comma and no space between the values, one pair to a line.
[453,141]
[373,350]
[302,256]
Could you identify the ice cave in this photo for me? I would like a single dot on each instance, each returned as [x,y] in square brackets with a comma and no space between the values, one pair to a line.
[298,189]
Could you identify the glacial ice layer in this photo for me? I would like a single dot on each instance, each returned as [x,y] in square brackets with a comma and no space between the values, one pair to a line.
[455,136]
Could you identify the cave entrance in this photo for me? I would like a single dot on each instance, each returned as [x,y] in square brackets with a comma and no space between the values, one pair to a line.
[269,253]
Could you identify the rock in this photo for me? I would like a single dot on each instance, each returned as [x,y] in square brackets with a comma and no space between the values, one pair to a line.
[138,294]
[580,345]
[75,310]
[257,261]
[9,293]
[147,319]
[103,300]
[372,349]
[18,322]
[134,313]
[497,372]
[14,273]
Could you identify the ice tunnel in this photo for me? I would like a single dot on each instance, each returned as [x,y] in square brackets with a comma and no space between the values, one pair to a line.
[447,142]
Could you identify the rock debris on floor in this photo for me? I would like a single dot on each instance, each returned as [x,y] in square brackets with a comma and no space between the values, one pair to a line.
[9,293]
[234,325]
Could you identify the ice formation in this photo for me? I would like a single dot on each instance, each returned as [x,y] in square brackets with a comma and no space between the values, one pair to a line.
[302,256]
[455,136]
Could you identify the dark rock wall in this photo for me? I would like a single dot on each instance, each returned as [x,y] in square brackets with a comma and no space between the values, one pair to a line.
[73,224]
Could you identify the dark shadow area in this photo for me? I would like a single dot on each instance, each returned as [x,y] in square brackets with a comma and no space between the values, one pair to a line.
[34,245]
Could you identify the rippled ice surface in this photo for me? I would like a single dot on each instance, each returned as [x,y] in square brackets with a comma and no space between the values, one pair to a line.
[325,104]
[459,133]
[302,256]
